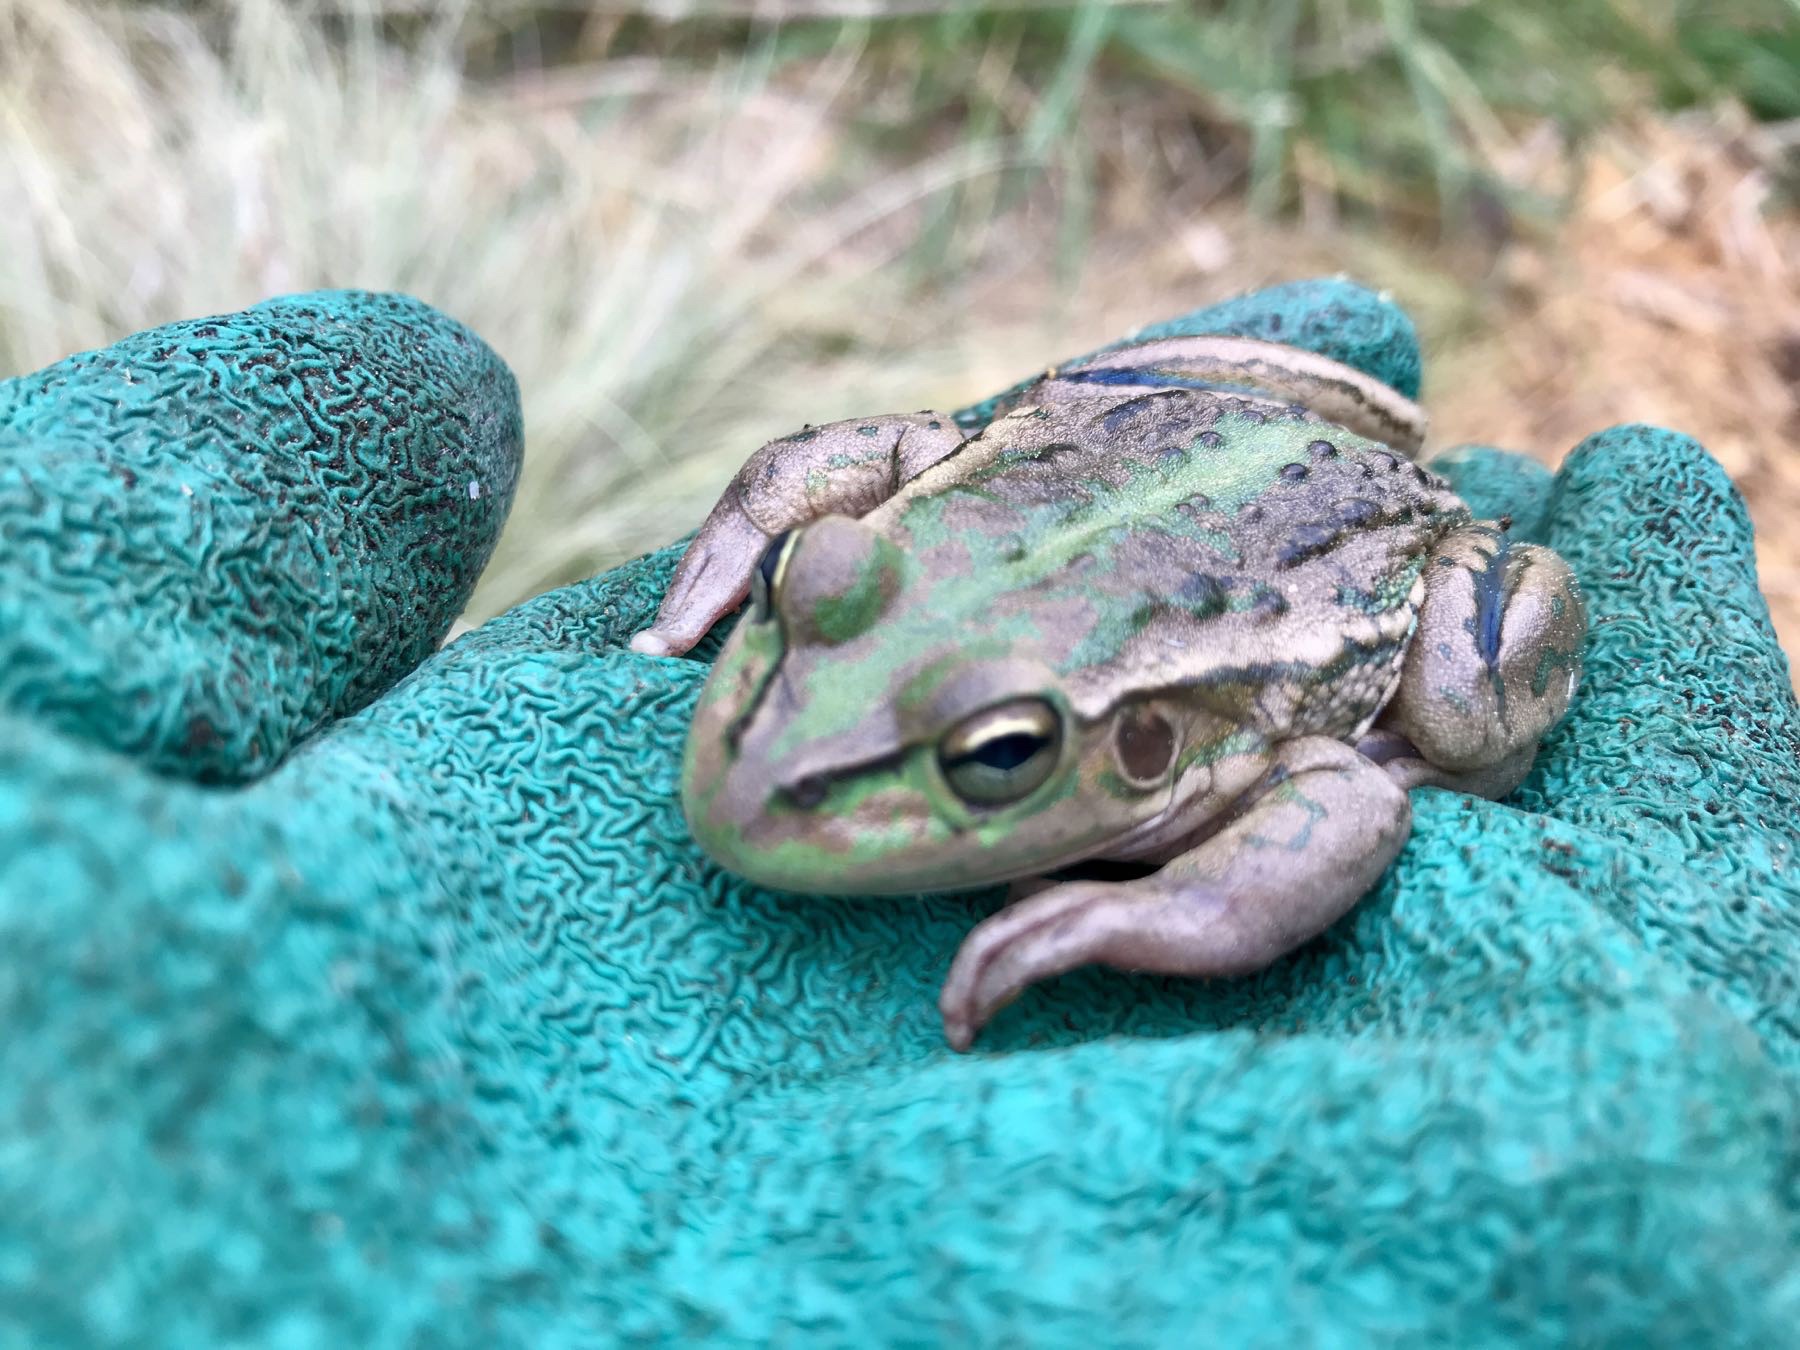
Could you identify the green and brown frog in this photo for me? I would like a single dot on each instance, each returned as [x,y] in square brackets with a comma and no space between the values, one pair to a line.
[1186,615]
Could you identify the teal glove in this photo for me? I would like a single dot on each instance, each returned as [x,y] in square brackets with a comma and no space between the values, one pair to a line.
[426,1022]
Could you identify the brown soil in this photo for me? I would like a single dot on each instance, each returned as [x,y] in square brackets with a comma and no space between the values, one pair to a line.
[1672,295]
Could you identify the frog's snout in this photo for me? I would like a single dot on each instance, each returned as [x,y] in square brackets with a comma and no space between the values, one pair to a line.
[797,835]
[772,827]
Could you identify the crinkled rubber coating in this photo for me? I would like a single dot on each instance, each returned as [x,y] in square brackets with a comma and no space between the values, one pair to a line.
[443,1032]
[218,534]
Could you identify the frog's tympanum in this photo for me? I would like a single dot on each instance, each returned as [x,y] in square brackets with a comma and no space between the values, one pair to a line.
[1168,642]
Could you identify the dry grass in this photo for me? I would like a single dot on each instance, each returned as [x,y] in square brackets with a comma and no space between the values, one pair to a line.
[645,247]
[680,262]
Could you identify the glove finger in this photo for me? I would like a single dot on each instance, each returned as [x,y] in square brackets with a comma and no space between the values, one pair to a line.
[1685,737]
[1498,483]
[224,532]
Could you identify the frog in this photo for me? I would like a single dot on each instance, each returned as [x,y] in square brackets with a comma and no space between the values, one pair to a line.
[1166,646]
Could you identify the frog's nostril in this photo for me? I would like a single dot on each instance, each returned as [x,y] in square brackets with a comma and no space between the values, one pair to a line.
[807,793]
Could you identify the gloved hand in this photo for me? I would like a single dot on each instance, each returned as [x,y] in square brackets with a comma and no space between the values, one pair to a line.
[355,994]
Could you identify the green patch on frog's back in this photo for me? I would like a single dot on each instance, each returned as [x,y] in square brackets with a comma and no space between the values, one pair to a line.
[1050,550]
[1185,491]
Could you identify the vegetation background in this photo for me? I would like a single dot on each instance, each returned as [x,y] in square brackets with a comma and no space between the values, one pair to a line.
[693,226]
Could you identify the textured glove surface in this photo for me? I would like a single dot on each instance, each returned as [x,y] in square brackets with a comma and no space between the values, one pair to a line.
[432,1023]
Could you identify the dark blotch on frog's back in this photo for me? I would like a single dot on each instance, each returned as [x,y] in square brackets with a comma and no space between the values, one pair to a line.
[1204,595]
[1269,604]
[1131,409]
[1307,541]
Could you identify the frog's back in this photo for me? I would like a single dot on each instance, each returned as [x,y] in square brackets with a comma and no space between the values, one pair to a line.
[1263,560]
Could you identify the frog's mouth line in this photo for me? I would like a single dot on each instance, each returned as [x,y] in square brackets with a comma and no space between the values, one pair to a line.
[735,729]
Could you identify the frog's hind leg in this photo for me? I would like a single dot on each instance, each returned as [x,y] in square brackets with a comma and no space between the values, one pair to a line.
[1338,393]
[844,468]
[1313,836]
[1491,667]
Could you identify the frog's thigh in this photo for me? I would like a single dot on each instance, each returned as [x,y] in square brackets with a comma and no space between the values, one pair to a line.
[1493,663]
[1325,826]
[844,468]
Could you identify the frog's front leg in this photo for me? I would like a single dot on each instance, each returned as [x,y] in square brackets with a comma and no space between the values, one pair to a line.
[1300,849]
[1492,666]
[843,468]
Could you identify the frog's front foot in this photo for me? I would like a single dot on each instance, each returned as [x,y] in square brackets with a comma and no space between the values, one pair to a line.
[1187,929]
[1316,833]
[846,468]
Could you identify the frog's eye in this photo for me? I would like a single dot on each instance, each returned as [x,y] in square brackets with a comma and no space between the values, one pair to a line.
[1002,754]
[767,576]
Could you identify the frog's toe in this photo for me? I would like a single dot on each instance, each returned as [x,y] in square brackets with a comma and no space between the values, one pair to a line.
[712,579]
[668,637]
[1049,934]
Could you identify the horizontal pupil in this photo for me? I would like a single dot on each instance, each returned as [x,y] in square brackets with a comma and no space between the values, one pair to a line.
[1005,752]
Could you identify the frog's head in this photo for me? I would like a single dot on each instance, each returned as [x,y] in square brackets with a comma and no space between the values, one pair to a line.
[883,723]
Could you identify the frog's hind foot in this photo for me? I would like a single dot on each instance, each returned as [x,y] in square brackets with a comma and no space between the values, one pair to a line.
[1333,391]
[1492,665]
